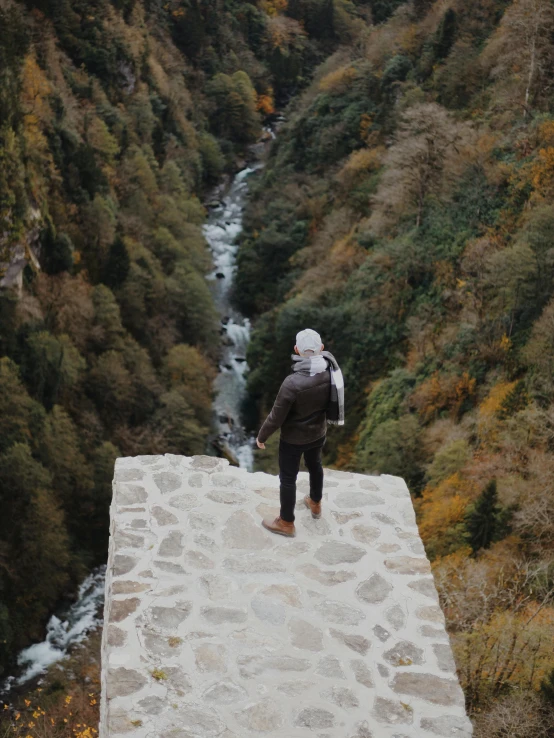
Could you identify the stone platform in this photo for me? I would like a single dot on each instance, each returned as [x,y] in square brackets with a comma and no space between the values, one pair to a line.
[215,628]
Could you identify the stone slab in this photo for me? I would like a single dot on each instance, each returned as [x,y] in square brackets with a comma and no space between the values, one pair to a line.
[215,628]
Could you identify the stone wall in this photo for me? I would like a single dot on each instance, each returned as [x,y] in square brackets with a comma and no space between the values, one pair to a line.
[215,628]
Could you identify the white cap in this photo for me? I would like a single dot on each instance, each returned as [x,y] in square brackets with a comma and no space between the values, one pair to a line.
[308,341]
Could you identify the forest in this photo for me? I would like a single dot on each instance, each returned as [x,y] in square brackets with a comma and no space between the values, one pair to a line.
[405,212]
[116,120]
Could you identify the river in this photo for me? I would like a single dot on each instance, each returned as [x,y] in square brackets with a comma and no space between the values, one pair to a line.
[221,230]
[223,225]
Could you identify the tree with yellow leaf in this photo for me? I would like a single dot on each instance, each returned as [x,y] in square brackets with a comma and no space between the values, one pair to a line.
[35,89]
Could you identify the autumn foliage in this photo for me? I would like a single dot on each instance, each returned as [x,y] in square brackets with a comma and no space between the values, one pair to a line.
[407,215]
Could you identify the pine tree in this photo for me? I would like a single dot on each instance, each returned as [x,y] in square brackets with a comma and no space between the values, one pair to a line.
[446,34]
[485,519]
[56,251]
[118,264]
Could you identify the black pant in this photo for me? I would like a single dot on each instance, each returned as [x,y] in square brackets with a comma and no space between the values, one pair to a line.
[289,464]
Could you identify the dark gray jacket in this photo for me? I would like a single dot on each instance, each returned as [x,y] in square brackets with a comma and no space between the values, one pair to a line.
[299,409]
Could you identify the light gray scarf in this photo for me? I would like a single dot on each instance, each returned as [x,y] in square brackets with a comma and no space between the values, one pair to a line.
[312,365]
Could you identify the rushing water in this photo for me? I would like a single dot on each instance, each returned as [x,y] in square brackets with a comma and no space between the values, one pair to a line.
[221,230]
[63,630]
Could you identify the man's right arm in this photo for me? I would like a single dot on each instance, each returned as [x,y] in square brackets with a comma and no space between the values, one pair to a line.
[279,411]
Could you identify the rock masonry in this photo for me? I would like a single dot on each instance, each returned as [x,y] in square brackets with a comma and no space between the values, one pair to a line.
[215,628]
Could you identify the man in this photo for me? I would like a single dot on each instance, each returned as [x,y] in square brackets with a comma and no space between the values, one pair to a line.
[309,398]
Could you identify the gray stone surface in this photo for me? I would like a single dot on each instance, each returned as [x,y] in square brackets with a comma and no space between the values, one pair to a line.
[447,725]
[336,552]
[353,641]
[445,660]
[429,687]
[404,653]
[305,636]
[330,666]
[362,673]
[365,533]
[172,545]
[396,617]
[374,590]
[315,717]
[217,629]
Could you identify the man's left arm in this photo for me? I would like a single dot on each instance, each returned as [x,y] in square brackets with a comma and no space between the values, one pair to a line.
[279,411]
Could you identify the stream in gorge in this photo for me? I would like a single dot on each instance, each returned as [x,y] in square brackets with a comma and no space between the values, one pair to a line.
[221,231]
[223,225]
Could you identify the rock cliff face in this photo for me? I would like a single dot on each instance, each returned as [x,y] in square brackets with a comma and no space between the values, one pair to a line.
[215,628]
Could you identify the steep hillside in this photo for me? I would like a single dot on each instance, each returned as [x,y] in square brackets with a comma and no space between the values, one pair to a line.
[116,118]
[406,213]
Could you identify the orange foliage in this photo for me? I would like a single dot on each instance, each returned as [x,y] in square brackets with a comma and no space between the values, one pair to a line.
[488,421]
[441,392]
[542,171]
[339,81]
[453,564]
[265,103]
[493,401]
[443,506]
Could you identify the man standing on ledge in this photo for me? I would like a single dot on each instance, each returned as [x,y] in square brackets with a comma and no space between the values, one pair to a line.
[309,398]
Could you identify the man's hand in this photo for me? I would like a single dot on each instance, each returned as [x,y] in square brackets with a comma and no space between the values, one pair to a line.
[260,445]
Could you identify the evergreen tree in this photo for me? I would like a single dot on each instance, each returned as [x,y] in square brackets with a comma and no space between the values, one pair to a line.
[118,264]
[71,474]
[446,34]
[56,251]
[485,521]
[20,415]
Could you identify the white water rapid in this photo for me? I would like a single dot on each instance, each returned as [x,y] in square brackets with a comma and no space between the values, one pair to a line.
[62,631]
[221,230]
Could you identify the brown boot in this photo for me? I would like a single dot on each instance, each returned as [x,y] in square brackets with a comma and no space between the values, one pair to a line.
[315,507]
[279,526]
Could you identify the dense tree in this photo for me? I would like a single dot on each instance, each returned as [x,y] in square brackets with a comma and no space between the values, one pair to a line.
[521,52]
[117,264]
[21,416]
[424,161]
[32,536]
[485,521]
[71,474]
[56,252]
[52,366]
[400,211]
[234,100]
[394,447]
[14,42]
[425,264]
